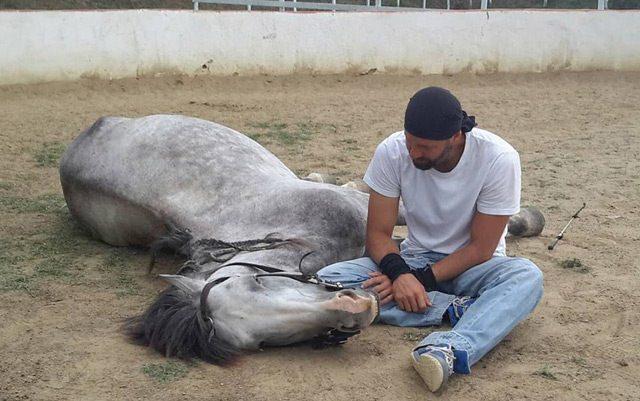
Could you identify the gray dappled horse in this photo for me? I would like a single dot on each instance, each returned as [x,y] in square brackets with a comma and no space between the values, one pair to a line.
[253,233]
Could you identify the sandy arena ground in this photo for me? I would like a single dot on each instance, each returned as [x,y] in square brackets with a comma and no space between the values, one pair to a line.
[63,295]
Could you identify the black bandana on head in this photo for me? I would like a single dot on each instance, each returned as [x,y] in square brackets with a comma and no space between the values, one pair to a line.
[434,113]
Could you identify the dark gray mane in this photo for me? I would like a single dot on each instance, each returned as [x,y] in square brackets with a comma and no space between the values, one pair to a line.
[207,250]
[174,326]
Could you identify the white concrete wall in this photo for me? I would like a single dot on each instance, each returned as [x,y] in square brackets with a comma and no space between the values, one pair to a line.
[59,45]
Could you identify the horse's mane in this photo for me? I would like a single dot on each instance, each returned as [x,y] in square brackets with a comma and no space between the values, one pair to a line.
[173,325]
[207,250]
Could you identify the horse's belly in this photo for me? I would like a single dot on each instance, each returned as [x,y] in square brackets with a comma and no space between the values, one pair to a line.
[111,219]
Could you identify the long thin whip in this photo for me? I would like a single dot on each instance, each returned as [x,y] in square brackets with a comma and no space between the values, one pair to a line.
[561,234]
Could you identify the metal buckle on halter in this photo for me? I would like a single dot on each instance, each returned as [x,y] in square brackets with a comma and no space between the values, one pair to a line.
[332,338]
[314,279]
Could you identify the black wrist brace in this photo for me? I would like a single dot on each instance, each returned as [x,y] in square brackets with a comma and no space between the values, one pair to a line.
[392,265]
[426,278]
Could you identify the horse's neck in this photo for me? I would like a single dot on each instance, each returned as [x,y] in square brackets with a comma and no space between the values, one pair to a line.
[289,257]
[295,253]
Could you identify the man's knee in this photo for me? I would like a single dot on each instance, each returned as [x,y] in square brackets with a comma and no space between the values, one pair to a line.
[348,272]
[530,275]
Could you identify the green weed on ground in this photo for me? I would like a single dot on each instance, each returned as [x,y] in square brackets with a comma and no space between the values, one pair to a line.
[546,372]
[58,254]
[165,372]
[52,246]
[51,252]
[56,267]
[12,277]
[575,265]
[117,266]
[47,203]
[579,361]
[285,134]
[49,154]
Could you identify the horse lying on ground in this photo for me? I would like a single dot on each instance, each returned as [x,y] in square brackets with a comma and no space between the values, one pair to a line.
[253,232]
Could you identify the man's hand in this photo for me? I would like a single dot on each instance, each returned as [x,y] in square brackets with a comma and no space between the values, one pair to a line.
[381,285]
[409,294]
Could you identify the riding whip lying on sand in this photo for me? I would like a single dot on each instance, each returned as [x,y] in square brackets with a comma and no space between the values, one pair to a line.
[561,234]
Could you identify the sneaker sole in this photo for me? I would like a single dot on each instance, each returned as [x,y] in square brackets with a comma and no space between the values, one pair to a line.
[431,372]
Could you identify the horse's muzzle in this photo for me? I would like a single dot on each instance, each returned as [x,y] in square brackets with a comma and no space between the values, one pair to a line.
[363,306]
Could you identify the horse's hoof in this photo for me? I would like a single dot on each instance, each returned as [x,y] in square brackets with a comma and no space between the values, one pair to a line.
[528,222]
[322,178]
[358,185]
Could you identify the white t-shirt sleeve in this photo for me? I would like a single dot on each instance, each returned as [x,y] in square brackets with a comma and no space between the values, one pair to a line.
[500,194]
[382,175]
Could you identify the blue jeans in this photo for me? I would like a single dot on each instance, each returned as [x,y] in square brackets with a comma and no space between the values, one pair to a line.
[507,291]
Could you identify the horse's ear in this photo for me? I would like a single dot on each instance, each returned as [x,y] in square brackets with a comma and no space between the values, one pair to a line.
[186,284]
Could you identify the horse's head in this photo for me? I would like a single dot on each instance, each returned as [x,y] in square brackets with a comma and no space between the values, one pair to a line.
[246,312]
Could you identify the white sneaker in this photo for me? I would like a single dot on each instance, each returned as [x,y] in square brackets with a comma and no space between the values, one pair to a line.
[434,363]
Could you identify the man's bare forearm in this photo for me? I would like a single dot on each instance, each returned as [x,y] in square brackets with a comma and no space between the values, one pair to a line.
[379,245]
[486,231]
[460,261]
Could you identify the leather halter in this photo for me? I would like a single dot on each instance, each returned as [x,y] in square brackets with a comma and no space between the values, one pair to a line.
[329,338]
[270,272]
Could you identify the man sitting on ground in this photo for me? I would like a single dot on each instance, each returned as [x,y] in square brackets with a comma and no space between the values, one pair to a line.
[459,186]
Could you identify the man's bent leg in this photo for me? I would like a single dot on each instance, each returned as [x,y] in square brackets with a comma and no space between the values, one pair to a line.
[352,273]
[508,289]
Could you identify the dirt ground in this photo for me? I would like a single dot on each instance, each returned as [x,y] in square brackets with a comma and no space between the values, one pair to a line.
[63,295]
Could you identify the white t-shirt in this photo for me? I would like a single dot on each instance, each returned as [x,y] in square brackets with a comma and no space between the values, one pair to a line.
[440,206]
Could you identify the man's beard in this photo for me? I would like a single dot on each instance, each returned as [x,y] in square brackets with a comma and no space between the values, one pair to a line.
[441,161]
[422,164]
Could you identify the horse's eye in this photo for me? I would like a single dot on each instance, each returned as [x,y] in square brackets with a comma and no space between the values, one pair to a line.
[256,279]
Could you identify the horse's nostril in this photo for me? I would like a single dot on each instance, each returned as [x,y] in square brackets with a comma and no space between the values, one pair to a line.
[349,294]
